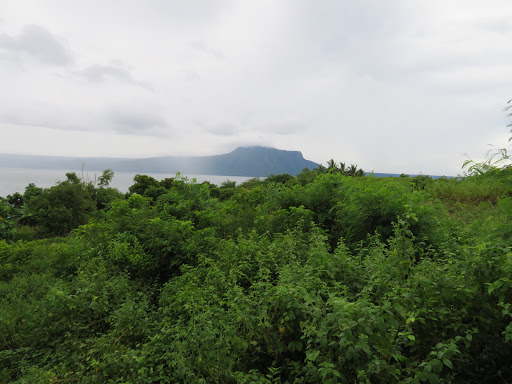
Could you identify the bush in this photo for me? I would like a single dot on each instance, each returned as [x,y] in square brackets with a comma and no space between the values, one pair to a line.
[341,279]
[61,208]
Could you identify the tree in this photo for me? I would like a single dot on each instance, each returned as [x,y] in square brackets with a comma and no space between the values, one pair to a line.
[103,195]
[351,171]
[167,182]
[332,166]
[16,200]
[281,179]
[72,177]
[105,178]
[320,169]
[342,169]
[227,184]
[307,176]
[6,226]
[354,171]
[142,183]
[31,191]
[25,214]
[59,209]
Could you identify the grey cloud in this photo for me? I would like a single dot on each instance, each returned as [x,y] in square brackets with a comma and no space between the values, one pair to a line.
[392,42]
[192,75]
[38,43]
[101,73]
[288,128]
[200,46]
[224,130]
[5,56]
[279,128]
[500,26]
[129,121]
[41,115]
[247,142]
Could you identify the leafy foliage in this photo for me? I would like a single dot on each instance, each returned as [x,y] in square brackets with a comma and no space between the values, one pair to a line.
[6,226]
[61,208]
[322,277]
[495,159]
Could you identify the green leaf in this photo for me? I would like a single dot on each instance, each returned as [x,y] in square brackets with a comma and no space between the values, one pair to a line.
[312,355]
[448,363]
[437,366]
[433,378]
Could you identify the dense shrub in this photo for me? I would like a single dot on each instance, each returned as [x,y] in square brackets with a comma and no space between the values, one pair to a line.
[61,208]
[323,278]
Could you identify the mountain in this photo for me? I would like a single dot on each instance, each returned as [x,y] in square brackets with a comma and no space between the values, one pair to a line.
[243,161]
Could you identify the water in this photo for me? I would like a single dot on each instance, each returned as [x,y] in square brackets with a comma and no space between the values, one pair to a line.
[15,180]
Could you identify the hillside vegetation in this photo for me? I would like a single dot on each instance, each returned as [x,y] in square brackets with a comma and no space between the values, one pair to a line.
[326,277]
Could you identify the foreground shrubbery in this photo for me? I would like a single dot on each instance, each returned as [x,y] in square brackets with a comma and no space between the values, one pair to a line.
[322,278]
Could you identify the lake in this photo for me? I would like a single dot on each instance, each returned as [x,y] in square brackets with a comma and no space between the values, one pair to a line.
[15,180]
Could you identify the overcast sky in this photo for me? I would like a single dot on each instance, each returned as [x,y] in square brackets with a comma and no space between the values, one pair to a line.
[393,86]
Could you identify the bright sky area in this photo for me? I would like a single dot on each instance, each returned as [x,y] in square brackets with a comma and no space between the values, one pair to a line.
[393,86]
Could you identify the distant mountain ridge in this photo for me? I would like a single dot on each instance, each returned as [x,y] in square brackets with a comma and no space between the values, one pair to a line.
[243,161]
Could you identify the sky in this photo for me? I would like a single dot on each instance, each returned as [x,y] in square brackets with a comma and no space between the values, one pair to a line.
[399,86]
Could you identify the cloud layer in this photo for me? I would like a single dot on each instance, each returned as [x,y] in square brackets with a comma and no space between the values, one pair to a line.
[37,43]
[395,87]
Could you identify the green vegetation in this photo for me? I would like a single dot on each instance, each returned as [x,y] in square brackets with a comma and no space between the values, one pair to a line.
[495,159]
[320,278]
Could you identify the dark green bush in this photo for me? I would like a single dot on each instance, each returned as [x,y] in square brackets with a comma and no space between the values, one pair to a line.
[61,208]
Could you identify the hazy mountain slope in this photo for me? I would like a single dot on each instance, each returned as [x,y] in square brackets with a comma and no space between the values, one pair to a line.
[243,161]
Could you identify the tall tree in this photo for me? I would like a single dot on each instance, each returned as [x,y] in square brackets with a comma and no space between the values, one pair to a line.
[332,166]
[59,209]
[105,178]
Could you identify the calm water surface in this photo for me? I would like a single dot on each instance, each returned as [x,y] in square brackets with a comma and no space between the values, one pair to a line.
[15,180]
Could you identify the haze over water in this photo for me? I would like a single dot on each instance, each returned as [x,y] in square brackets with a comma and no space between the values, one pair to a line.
[15,180]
